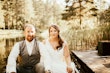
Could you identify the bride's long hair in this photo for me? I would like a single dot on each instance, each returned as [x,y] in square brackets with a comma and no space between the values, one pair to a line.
[60,41]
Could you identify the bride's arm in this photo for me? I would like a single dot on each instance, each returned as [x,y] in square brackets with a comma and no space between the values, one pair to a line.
[47,59]
[67,58]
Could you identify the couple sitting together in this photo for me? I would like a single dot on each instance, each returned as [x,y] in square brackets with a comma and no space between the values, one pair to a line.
[50,56]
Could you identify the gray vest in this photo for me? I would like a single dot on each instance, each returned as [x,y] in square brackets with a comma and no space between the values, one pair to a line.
[26,59]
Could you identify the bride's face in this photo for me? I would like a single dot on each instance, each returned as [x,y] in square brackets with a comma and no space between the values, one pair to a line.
[53,33]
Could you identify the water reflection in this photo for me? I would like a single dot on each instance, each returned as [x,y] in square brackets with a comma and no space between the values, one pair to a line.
[5,48]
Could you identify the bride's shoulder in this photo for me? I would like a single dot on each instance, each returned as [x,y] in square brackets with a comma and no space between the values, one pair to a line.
[65,43]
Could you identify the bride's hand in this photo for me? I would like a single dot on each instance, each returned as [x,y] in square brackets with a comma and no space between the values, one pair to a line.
[69,69]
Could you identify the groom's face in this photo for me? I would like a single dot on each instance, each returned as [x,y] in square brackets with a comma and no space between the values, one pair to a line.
[29,33]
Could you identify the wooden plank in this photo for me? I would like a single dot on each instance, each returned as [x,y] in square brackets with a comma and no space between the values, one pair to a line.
[94,62]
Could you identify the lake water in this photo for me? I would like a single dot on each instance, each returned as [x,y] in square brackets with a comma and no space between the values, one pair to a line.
[6,45]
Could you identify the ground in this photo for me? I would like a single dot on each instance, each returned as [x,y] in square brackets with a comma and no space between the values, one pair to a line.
[98,64]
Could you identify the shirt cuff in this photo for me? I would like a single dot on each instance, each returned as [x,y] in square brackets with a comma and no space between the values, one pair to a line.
[10,69]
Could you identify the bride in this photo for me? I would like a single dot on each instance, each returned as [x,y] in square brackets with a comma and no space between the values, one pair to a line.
[60,61]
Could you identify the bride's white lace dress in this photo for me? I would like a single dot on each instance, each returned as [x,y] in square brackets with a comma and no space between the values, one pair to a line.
[57,61]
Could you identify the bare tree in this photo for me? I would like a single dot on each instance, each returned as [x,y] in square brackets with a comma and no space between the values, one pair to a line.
[2,24]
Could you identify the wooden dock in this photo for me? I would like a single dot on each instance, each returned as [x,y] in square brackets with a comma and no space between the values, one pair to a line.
[90,62]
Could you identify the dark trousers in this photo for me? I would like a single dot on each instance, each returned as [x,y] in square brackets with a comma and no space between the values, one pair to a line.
[38,68]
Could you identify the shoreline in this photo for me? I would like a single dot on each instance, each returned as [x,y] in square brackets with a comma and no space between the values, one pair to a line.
[4,34]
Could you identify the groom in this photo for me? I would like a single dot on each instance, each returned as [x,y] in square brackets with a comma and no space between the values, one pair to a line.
[30,52]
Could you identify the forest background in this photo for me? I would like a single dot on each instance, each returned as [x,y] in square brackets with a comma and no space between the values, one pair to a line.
[82,22]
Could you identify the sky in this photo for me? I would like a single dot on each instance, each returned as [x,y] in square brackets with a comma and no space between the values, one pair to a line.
[60,2]
[63,1]
[63,4]
[107,2]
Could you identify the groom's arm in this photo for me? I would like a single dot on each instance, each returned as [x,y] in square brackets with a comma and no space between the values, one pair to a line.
[11,63]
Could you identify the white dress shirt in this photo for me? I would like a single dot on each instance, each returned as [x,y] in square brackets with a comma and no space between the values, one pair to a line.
[11,63]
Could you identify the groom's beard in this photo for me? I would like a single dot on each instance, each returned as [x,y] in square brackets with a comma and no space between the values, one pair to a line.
[30,38]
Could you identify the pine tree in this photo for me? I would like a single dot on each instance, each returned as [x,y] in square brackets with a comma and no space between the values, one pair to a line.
[80,10]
